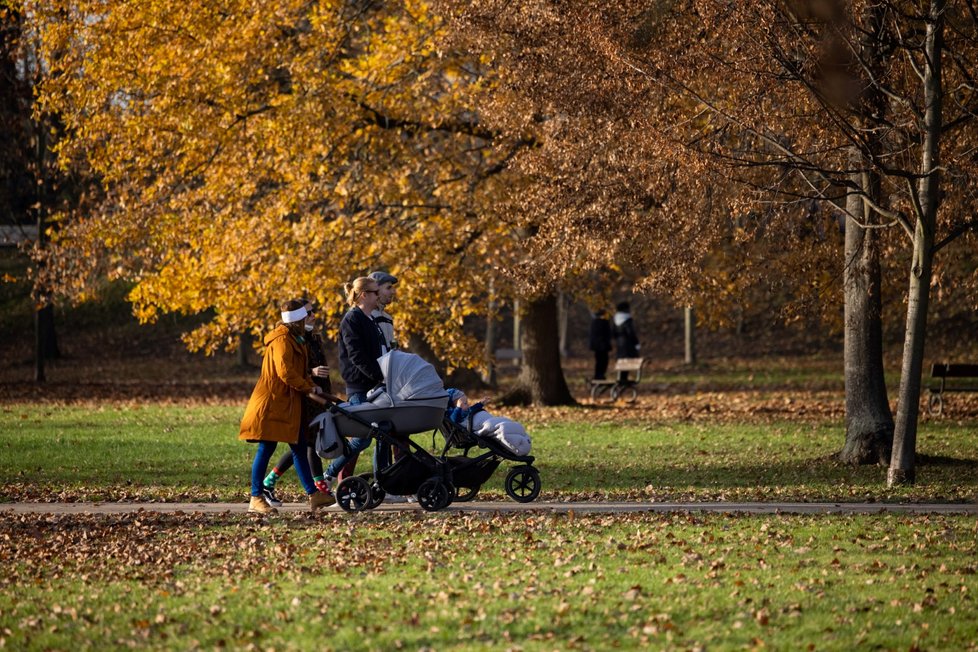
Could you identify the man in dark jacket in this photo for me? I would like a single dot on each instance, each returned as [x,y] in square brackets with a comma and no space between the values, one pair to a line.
[600,342]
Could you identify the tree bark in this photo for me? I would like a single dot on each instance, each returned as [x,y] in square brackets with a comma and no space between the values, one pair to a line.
[902,462]
[541,380]
[490,377]
[244,343]
[689,335]
[490,350]
[563,310]
[869,420]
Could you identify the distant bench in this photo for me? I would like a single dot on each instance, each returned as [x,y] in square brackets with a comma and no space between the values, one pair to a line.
[627,390]
[944,371]
[515,355]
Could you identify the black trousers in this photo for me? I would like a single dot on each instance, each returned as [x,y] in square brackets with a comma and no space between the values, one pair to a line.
[600,364]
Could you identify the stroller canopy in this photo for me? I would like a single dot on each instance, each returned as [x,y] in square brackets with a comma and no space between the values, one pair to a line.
[408,376]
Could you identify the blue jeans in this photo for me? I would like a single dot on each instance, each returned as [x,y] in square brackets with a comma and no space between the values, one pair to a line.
[264,455]
[356,445]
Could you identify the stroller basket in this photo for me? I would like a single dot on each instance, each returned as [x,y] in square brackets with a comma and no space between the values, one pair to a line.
[404,476]
[472,473]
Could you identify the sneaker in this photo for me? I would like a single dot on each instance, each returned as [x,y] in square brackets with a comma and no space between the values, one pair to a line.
[259,506]
[269,494]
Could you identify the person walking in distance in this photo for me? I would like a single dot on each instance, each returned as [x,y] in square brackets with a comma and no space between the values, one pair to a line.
[626,339]
[599,341]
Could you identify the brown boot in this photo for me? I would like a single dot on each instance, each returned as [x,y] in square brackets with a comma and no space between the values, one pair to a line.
[259,506]
[320,499]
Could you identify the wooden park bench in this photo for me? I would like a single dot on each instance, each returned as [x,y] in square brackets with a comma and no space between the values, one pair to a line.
[944,371]
[514,355]
[627,390]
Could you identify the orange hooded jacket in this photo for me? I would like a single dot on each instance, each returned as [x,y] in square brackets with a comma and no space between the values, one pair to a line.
[274,411]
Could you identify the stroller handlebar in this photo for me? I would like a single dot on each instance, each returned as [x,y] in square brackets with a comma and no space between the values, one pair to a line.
[325,399]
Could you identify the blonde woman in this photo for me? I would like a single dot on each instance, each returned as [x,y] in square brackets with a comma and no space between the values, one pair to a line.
[361,343]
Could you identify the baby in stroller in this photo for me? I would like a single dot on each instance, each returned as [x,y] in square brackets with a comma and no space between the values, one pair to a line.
[479,421]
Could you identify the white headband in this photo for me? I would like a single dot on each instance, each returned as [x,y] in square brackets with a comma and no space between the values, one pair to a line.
[294,315]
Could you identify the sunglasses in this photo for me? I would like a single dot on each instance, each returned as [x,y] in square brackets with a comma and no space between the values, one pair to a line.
[371,291]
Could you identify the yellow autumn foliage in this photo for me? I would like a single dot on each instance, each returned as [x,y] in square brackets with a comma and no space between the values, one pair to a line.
[251,152]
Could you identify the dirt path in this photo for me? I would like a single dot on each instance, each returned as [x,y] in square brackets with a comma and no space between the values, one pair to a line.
[488,507]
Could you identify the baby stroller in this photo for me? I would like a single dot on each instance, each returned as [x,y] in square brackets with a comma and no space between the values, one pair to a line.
[412,400]
[470,473]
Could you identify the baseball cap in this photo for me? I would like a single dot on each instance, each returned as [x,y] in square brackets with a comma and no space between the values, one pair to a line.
[382,278]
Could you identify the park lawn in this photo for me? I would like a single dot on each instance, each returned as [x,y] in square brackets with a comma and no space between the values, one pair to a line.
[443,581]
[457,581]
[172,452]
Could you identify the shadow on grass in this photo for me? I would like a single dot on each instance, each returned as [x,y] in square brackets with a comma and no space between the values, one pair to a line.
[943,460]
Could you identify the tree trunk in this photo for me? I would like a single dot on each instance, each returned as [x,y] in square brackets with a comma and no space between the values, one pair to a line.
[44,315]
[562,318]
[490,377]
[490,350]
[541,380]
[39,375]
[689,339]
[869,421]
[902,463]
[244,343]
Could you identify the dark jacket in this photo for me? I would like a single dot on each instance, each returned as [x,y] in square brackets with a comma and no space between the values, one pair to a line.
[360,345]
[317,357]
[626,340]
[600,336]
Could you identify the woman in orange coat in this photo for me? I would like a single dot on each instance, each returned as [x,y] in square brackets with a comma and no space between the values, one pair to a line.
[274,412]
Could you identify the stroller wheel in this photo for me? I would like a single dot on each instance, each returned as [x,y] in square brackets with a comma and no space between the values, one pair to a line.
[434,494]
[377,494]
[465,494]
[523,484]
[353,494]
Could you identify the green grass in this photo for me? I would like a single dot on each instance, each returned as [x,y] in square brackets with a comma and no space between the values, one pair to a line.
[164,452]
[819,372]
[486,582]
[112,451]
[456,581]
